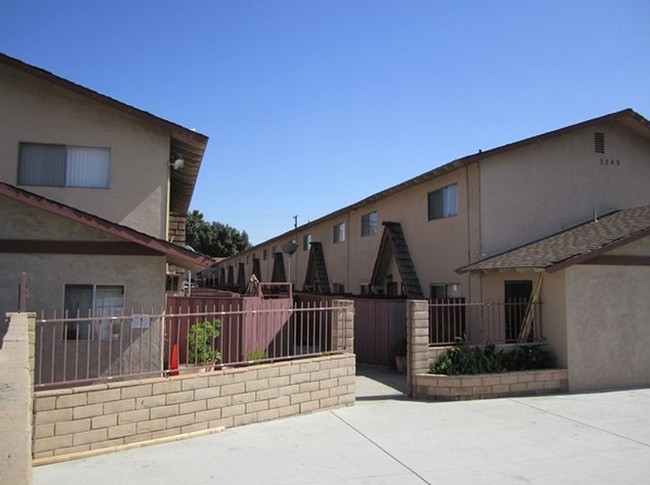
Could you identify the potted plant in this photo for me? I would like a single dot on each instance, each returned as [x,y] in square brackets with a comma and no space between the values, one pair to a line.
[399,351]
[202,339]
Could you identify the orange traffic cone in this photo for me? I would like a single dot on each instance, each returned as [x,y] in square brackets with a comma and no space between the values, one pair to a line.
[173,365]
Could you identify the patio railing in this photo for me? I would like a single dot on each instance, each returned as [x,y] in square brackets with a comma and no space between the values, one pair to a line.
[484,322]
[95,348]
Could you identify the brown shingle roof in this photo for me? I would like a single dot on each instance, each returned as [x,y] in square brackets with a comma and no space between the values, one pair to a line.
[573,245]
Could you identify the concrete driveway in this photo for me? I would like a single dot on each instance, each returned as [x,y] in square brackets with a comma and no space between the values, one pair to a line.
[387,439]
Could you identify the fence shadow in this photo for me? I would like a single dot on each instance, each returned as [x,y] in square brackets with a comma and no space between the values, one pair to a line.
[378,383]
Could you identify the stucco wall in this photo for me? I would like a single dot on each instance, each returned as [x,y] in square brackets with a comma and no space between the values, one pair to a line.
[504,200]
[142,276]
[553,316]
[608,320]
[16,387]
[44,113]
[351,262]
[543,188]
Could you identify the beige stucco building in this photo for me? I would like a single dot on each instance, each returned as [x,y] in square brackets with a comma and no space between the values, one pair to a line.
[90,200]
[411,239]
[489,202]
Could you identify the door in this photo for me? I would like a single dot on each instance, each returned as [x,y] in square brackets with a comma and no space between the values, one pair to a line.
[517,296]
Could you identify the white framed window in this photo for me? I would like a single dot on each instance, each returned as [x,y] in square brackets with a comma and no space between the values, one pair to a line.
[339,233]
[443,202]
[306,242]
[64,166]
[369,224]
[101,302]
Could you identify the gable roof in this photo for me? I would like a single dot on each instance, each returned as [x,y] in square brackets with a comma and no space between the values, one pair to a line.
[573,246]
[150,245]
[186,143]
[627,117]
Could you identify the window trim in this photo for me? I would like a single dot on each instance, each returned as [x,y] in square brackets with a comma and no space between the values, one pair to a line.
[64,176]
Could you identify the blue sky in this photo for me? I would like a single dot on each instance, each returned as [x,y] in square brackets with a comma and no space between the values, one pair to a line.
[313,105]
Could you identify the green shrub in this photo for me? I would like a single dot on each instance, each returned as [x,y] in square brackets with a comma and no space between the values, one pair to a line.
[257,354]
[466,359]
[202,338]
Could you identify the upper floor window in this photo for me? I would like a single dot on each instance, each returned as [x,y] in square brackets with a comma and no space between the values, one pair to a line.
[64,166]
[369,224]
[443,202]
[306,242]
[339,232]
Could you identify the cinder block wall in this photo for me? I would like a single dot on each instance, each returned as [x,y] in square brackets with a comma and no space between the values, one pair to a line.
[76,420]
[482,386]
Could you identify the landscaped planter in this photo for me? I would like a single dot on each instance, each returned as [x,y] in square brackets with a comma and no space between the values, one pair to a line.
[484,386]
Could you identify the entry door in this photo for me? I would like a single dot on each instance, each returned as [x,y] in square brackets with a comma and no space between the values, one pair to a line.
[517,296]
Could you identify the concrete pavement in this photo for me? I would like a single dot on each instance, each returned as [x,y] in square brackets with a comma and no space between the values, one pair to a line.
[387,439]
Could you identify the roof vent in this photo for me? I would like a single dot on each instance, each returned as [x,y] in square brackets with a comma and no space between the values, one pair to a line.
[599,142]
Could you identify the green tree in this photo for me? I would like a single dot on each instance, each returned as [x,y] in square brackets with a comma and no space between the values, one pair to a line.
[213,238]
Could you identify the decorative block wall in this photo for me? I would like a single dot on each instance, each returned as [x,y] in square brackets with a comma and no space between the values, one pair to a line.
[482,386]
[74,421]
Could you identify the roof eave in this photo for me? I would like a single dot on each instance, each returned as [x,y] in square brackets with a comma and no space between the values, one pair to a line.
[175,254]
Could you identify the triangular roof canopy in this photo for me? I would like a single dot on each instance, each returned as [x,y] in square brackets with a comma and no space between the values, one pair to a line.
[316,275]
[186,143]
[175,254]
[580,244]
[393,245]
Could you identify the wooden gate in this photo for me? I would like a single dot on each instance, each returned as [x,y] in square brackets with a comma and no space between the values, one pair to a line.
[379,326]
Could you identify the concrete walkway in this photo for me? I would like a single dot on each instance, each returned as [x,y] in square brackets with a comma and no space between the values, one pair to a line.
[387,439]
